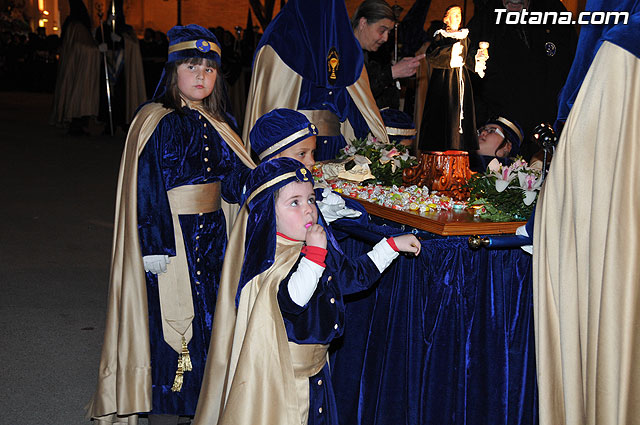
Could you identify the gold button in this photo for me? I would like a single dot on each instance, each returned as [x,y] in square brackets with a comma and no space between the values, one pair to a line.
[198,273]
[200,117]
[197,282]
[197,237]
[325,142]
[206,148]
[320,410]
[332,300]
[208,168]
[196,248]
[205,136]
[205,124]
[197,260]
[201,226]
[319,381]
[200,214]
[206,160]
[329,278]
[330,92]
[335,326]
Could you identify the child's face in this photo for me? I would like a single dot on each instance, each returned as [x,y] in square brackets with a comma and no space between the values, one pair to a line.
[303,151]
[490,137]
[296,210]
[196,82]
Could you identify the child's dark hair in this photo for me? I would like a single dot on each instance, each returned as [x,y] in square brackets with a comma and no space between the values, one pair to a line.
[214,103]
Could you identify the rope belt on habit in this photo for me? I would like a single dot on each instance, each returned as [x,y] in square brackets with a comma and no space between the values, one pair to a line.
[327,122]
[174,286]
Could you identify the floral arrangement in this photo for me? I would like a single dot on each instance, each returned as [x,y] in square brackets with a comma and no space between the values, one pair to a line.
[385,161]
[505,193]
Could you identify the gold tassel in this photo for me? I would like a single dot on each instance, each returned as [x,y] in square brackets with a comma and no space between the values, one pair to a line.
[177,382]
[186,357]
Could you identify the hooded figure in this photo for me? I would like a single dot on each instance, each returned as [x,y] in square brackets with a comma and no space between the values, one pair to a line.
[180,158]
[309,60]
[586,239]
[77,89]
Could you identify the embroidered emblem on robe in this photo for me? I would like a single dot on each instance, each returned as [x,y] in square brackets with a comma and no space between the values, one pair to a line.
[333,63]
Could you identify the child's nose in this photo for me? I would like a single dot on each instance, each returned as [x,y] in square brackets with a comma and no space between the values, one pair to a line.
[309,209]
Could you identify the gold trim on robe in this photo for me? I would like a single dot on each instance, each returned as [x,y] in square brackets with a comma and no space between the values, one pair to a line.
[275,85]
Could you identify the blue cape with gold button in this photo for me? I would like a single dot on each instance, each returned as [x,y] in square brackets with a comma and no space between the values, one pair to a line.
[318,27]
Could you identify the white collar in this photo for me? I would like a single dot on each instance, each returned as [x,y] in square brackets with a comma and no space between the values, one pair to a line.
[459,35]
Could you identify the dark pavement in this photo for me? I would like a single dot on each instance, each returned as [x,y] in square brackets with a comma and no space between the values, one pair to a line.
[56,223]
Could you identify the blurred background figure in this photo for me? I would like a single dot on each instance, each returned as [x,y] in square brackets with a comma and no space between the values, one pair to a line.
[373,23]
[118,41]
[77,92]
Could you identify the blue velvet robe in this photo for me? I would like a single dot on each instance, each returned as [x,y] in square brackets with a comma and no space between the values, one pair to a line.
[322,320]
[328,23]
[184,149]
[338,101]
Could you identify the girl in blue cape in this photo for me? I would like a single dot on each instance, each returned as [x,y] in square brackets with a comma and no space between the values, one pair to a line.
[181,160]
[280,305]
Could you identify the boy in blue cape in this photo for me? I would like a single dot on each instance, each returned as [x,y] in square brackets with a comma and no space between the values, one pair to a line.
[280,305]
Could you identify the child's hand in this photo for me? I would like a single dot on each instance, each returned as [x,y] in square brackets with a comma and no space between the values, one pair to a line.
[407,243]
[316,236]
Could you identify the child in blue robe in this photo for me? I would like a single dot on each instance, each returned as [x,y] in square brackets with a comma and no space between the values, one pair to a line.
[285,133]
[182,160]
[280,305]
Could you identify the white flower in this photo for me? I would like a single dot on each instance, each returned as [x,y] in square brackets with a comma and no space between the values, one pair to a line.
[349,149]
[504,175]
[530,184]
[373,140]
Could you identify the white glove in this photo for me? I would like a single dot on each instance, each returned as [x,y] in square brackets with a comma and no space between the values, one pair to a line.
[102,47]
[522,231]
[155,264]
[333,207]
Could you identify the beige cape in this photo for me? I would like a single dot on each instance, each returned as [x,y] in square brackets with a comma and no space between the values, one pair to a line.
[124,379]
[77,92]
[586,271]
[275,85]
